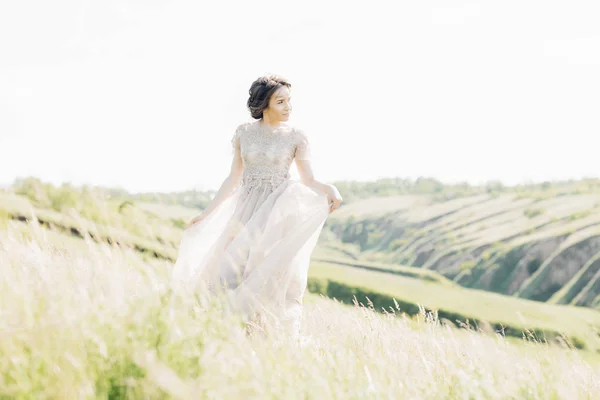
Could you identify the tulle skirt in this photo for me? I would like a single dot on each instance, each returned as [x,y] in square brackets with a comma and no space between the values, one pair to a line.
[255,248]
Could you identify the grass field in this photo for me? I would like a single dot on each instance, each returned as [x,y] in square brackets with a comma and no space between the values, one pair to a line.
[333,261]
[48,252]
[105,324]
[471,304]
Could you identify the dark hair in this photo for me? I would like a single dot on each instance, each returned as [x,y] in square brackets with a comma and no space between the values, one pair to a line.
[261,91]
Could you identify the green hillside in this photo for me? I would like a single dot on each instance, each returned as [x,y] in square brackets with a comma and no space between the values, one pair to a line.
[539,246]
[488,311]
[86,320]
[416,248]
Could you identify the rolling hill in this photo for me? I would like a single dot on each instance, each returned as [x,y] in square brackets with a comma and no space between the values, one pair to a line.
[543,248]
[417,249]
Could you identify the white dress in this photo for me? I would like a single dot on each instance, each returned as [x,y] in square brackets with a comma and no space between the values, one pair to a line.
[256,245]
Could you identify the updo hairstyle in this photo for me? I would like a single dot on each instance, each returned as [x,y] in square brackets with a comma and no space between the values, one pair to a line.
[261,91]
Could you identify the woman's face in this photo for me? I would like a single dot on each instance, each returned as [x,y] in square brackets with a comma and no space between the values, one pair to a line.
[280,105]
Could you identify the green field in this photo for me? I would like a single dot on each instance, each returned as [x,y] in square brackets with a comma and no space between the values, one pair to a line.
[343,255]
[100,321]
[103,324]
[466,303]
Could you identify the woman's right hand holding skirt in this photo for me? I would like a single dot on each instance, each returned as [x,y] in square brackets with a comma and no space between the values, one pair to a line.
[196,220]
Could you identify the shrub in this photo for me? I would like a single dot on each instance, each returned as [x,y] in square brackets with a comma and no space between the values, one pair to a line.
[532,212]
[533,265]
[579,215]
[396,244]
[63,198]
[34,190]
[467,265]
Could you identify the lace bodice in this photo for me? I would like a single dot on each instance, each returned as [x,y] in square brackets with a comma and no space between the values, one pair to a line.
[267,153]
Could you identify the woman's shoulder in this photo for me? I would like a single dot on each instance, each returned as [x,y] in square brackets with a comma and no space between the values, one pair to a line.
[300,133]
[244,126]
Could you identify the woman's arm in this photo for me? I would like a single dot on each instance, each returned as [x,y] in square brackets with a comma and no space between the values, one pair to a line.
[307,177]
[227,187]
[303,156]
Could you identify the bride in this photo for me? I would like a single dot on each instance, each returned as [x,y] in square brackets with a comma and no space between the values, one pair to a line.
[254,240]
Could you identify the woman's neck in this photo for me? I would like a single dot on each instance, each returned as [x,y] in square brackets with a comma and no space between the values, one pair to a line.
[270,123]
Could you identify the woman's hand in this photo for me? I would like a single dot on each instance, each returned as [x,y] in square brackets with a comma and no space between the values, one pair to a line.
[196,220]
[334,198]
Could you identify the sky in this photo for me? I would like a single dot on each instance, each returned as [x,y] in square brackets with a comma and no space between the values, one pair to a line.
[145,95]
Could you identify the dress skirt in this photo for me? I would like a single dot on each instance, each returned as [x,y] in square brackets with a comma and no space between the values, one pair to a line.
[255,247]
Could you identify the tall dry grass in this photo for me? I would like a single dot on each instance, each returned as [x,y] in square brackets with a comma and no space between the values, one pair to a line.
[100,323]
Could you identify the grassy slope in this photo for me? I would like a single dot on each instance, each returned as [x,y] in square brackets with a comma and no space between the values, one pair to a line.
[471,303]
[441,236]
[577,286]
[407,283]
[106,327]
[153,234]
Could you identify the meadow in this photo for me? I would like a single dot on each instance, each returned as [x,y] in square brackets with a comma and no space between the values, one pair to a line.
[102,323]
[88,312]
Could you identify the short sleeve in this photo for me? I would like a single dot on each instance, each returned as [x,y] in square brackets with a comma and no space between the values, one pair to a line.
[303,151]
[235,140]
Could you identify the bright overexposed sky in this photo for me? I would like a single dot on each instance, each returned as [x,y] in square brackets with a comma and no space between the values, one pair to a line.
[146,95]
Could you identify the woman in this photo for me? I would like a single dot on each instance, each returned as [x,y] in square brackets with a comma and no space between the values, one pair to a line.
[254,240]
